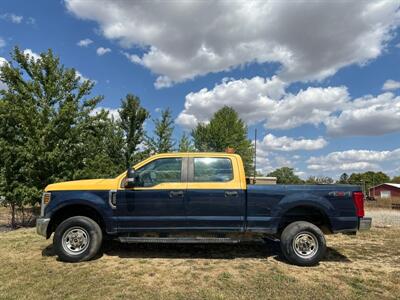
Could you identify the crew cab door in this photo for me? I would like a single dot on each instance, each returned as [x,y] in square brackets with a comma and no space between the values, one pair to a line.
[156,203]
[215,199]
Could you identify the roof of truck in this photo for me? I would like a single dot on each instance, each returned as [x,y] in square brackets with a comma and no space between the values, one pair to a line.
[196,154]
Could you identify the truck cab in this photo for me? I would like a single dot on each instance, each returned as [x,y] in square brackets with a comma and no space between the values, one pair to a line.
[196,198]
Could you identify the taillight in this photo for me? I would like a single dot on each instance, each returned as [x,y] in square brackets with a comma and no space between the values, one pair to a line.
[358,199]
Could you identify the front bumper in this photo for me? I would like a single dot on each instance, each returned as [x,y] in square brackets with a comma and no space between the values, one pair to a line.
[41,226]
[364,224]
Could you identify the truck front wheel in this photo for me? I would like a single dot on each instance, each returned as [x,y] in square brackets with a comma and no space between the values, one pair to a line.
[303,243]
[77,239]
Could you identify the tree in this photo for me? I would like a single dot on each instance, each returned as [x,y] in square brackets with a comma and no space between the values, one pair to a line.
[285,175]
[132,117]
[47,126]
[225,130]
[108,138]
[368,179]
[185,144]
[396,179]
[162,141]
[344,179]
[319,180]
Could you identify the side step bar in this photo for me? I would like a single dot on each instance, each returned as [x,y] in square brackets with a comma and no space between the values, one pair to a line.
[183,240]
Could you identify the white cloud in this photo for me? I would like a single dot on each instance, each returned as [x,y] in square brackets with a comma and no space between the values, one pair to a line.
[301,174]
[101,51]
[163,82]
[2,42]
[282,161]
[390,85]
[367,116]
[113,113]
[310,106]
[264,164]
[275,152]
[84,42]
[12,18]
[263,100]
[31,21]
[284,143]
[3,61]
[132,57]
[16,19]
[346,167]
[31,54]
[352,160]
[250,97]
[185,40]
[268,161]
[81,77]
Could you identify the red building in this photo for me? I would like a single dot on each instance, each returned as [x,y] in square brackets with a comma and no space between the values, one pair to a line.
[385,191]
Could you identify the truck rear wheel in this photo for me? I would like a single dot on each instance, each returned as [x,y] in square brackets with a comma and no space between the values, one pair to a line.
[77,239]
[303,243]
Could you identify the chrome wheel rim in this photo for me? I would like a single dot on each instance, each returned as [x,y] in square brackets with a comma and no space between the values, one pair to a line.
[305,244]
[75,240]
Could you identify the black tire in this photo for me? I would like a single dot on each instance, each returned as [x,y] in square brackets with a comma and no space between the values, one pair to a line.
[303,243]
[77,239]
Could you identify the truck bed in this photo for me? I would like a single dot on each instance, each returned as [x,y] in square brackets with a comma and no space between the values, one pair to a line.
[266,204]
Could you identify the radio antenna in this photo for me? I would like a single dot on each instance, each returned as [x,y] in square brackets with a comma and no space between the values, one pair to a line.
[255,154]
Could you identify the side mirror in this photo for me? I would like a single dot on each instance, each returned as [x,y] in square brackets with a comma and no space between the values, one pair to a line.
[130,178]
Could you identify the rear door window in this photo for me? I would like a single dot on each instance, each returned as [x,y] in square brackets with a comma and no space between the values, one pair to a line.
[212,169]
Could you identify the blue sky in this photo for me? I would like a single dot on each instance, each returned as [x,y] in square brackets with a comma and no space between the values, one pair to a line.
[320,81]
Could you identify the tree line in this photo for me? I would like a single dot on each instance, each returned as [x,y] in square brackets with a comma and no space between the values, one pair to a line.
[286,175]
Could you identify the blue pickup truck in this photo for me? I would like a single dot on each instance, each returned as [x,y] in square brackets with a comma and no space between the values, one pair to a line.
[196,198]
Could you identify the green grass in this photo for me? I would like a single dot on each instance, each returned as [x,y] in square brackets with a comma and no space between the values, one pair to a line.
[363,266]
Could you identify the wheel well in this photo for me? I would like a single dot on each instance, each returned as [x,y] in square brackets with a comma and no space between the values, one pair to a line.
[71,211]
[310,214]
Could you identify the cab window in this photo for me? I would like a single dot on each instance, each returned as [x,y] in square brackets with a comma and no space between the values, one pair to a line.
[212,169]
[159,171]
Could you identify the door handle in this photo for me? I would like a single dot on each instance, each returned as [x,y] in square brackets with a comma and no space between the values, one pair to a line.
[231,194]
[173,194]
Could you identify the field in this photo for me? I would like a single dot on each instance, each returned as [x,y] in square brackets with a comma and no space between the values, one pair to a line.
[364,266]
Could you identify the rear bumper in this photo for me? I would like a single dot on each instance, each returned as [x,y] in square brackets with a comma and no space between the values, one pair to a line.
[364,224]
[41,226]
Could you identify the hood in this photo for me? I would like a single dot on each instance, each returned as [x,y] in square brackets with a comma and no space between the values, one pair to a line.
[82,185]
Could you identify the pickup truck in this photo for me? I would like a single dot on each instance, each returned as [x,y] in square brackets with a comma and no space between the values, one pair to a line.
[196,198]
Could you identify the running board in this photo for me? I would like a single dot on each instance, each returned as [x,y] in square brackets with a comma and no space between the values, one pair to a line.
[182,240]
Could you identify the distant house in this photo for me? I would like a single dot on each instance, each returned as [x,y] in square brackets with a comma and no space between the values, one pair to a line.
[385,191]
